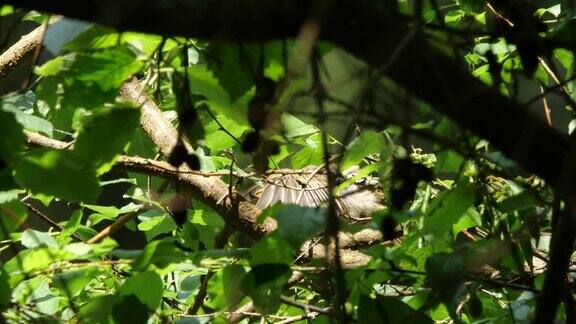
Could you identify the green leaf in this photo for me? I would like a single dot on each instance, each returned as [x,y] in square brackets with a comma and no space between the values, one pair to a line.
[271,249]
[524,200]
[99,309]
[266,274]
[95,37]
[564,35]
[151,296]
[130,309]
[12,215]
[264,285]
[148,43]
[226,289]
[362,173]
[111,211]
[203,83]
[555,10]
[155,222]
[108,68]
[216,139]
[369,142]
[11,137]
[232,277]
[235,76]
[565,57]
[105,134]
[52,67]
[73,282]
[294,127]
[72,224]
[22,106]
[237,64]
[5,290]
[205,216]
[76,98]
[31,239]
[44,300]
[296,224]
[31,122]
[10,195]
[159,253]
[470,219]
[445,273]
[448,161]
[59,173]
[386,309]
[312,154]
[206,221]
[270,260]
[6,10]
[37,259]
[472,5]
[446,209]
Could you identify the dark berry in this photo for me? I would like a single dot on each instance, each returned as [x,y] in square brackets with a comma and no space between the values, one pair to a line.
[187,116]
[251,142]
[193,161]
[178,156]
[266,89]
[271,147]
[257,113]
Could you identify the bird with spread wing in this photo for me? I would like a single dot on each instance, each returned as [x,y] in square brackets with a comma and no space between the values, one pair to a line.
[309,187]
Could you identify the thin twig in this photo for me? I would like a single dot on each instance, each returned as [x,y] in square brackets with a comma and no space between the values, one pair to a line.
[298,318]
[112,228]
[47,219]
[547,111]
[306,307]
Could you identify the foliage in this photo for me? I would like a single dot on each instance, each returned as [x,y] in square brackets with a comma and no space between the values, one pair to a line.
[463,235]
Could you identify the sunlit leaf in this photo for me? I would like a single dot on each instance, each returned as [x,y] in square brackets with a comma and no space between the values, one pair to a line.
[63,174]
[105,134]
[151,296]
[74,281]
[296,224]
[446,209]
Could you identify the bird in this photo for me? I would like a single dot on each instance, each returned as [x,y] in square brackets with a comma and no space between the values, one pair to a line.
[308,187]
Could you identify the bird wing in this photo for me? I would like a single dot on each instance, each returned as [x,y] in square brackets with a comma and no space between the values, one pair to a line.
[300,189]
[294,189]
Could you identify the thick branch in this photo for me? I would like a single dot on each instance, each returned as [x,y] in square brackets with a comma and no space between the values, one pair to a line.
[10,60]
[27,45]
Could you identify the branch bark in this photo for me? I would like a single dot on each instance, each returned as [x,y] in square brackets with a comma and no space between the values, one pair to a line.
[26,46]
